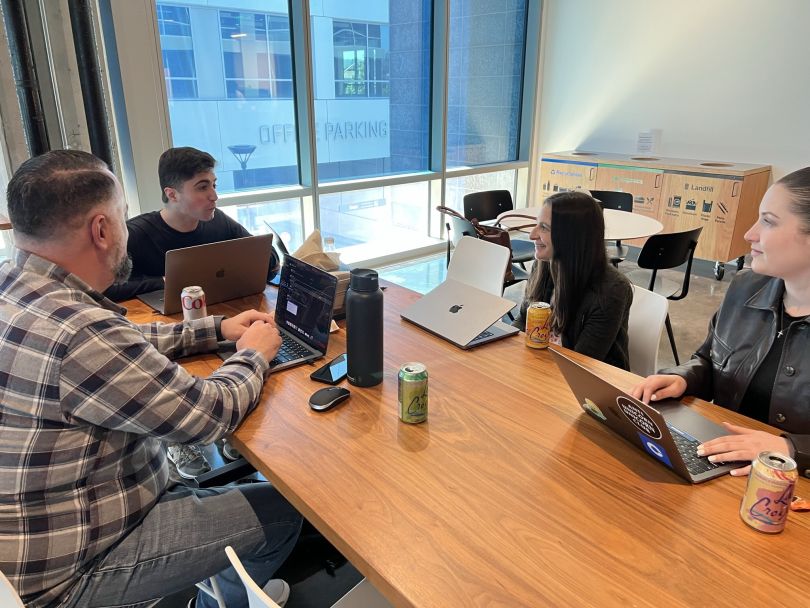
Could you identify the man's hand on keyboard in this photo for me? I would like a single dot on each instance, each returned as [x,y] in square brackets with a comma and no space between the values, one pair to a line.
[744,444]
[262,336]
[233,327]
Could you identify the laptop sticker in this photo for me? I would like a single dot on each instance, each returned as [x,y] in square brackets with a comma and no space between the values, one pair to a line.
[638,417]
[655,450]
[593,409]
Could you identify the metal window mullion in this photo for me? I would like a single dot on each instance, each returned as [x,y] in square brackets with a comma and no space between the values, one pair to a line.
[440,64]
[304,97]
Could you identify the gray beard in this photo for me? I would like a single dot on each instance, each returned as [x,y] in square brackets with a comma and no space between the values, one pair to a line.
[123,270]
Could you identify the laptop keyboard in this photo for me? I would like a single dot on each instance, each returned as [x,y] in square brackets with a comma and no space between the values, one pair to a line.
[687,446]
[289,351]
[484,334]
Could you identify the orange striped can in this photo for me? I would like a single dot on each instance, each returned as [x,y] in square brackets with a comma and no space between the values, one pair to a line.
[538,324]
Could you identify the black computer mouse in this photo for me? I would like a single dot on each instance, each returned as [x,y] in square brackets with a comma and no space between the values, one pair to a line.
[327,398]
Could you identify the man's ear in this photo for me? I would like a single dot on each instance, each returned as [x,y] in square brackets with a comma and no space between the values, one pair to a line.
[171,194]
[100,231]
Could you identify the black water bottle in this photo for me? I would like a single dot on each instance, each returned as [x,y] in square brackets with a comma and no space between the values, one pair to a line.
[364,328]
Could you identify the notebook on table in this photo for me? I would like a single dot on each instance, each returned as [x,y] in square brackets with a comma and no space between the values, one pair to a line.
[226,270]
[304,306]
[669,432]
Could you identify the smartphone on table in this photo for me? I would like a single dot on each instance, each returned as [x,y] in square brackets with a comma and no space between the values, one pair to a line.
[333,372]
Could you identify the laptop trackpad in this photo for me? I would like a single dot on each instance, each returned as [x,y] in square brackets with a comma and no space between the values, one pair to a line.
[684,418]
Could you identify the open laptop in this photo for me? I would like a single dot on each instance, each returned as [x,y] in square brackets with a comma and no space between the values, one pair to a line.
[461,314]
[226,270]
[669,432]
[304,305]
[464,308]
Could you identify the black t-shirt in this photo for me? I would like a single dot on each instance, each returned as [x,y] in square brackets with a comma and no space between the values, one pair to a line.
[756,403]
[150,237]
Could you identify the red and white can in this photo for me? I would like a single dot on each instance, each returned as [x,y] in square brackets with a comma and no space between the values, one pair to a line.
[193,301]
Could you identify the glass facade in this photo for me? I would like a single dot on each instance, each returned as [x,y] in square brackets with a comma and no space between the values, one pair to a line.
[485,81]
[230,73]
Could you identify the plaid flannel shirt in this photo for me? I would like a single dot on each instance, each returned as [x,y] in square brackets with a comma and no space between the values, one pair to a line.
[87,399]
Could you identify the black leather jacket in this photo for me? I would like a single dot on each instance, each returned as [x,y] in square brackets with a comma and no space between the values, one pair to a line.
[740,335]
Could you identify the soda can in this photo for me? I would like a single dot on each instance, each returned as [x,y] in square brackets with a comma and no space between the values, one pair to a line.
[767,497]
[192,299]
[538,324]
[413,393]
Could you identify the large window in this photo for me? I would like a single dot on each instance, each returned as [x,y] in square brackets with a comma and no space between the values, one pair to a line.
[362,66]
[360,126]
[372,98]
[257,55]
[485,81]
[177,46]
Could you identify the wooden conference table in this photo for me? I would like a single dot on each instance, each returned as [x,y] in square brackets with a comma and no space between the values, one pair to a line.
[619,225]
[508,495]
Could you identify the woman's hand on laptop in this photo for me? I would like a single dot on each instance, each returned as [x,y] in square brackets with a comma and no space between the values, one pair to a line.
[743,444]
[262,336]
[232,328]
[659,386]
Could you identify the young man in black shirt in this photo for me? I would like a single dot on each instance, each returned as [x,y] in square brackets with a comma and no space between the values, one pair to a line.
[189,217]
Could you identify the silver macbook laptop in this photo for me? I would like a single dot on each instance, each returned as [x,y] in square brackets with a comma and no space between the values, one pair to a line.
[460,314]
[669,432]
[304,305]
[465,308]
[226,270]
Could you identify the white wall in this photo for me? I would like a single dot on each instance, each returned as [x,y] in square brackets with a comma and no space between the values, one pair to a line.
[723,79]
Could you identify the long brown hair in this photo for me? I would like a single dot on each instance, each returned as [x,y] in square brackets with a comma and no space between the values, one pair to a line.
[578,260]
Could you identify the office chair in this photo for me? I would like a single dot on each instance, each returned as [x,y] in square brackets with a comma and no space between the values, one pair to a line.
[8,594]
[621,201]
[487,205]
[648,315]
[662,251]
[362,595]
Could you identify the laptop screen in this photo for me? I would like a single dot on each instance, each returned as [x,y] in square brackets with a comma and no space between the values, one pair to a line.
[304,305]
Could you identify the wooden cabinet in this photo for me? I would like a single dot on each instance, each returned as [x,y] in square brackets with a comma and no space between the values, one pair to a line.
[560,174]
[723,198]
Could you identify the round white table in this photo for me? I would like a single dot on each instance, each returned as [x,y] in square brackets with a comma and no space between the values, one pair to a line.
[619,225]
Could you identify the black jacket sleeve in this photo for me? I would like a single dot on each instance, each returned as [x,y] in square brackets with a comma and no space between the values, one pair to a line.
[118,292]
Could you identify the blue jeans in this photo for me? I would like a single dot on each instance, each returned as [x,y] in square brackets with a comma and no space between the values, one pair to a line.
[182,542]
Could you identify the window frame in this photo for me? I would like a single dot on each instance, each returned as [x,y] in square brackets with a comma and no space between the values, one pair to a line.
[147,116]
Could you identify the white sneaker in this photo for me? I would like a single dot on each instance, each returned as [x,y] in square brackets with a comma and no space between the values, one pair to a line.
[189,460]
[229,452]
[278,590]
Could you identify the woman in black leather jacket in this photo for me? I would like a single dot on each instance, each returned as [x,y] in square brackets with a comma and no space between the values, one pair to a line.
[590,299]
[756,357]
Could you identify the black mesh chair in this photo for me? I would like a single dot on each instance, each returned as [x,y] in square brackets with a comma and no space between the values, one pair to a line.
[662,251]
[487,205]
[621,201]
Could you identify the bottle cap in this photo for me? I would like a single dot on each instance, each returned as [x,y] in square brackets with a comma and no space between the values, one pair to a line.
[364,279]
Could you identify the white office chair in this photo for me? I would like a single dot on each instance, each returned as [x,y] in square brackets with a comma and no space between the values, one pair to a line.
[8,594]
[362,595]
[480,264]
[648,314]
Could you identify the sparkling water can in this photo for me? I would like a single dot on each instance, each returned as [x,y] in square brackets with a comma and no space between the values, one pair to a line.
[767,497]
[192,299]
[413,393]
[538,324]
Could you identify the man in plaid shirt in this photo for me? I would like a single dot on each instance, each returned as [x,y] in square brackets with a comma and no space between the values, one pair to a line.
[87,400]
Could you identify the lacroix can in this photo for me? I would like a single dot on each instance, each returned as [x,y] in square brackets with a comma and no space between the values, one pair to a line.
[538,324]
[193,301]
[767,497]
[413,393]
